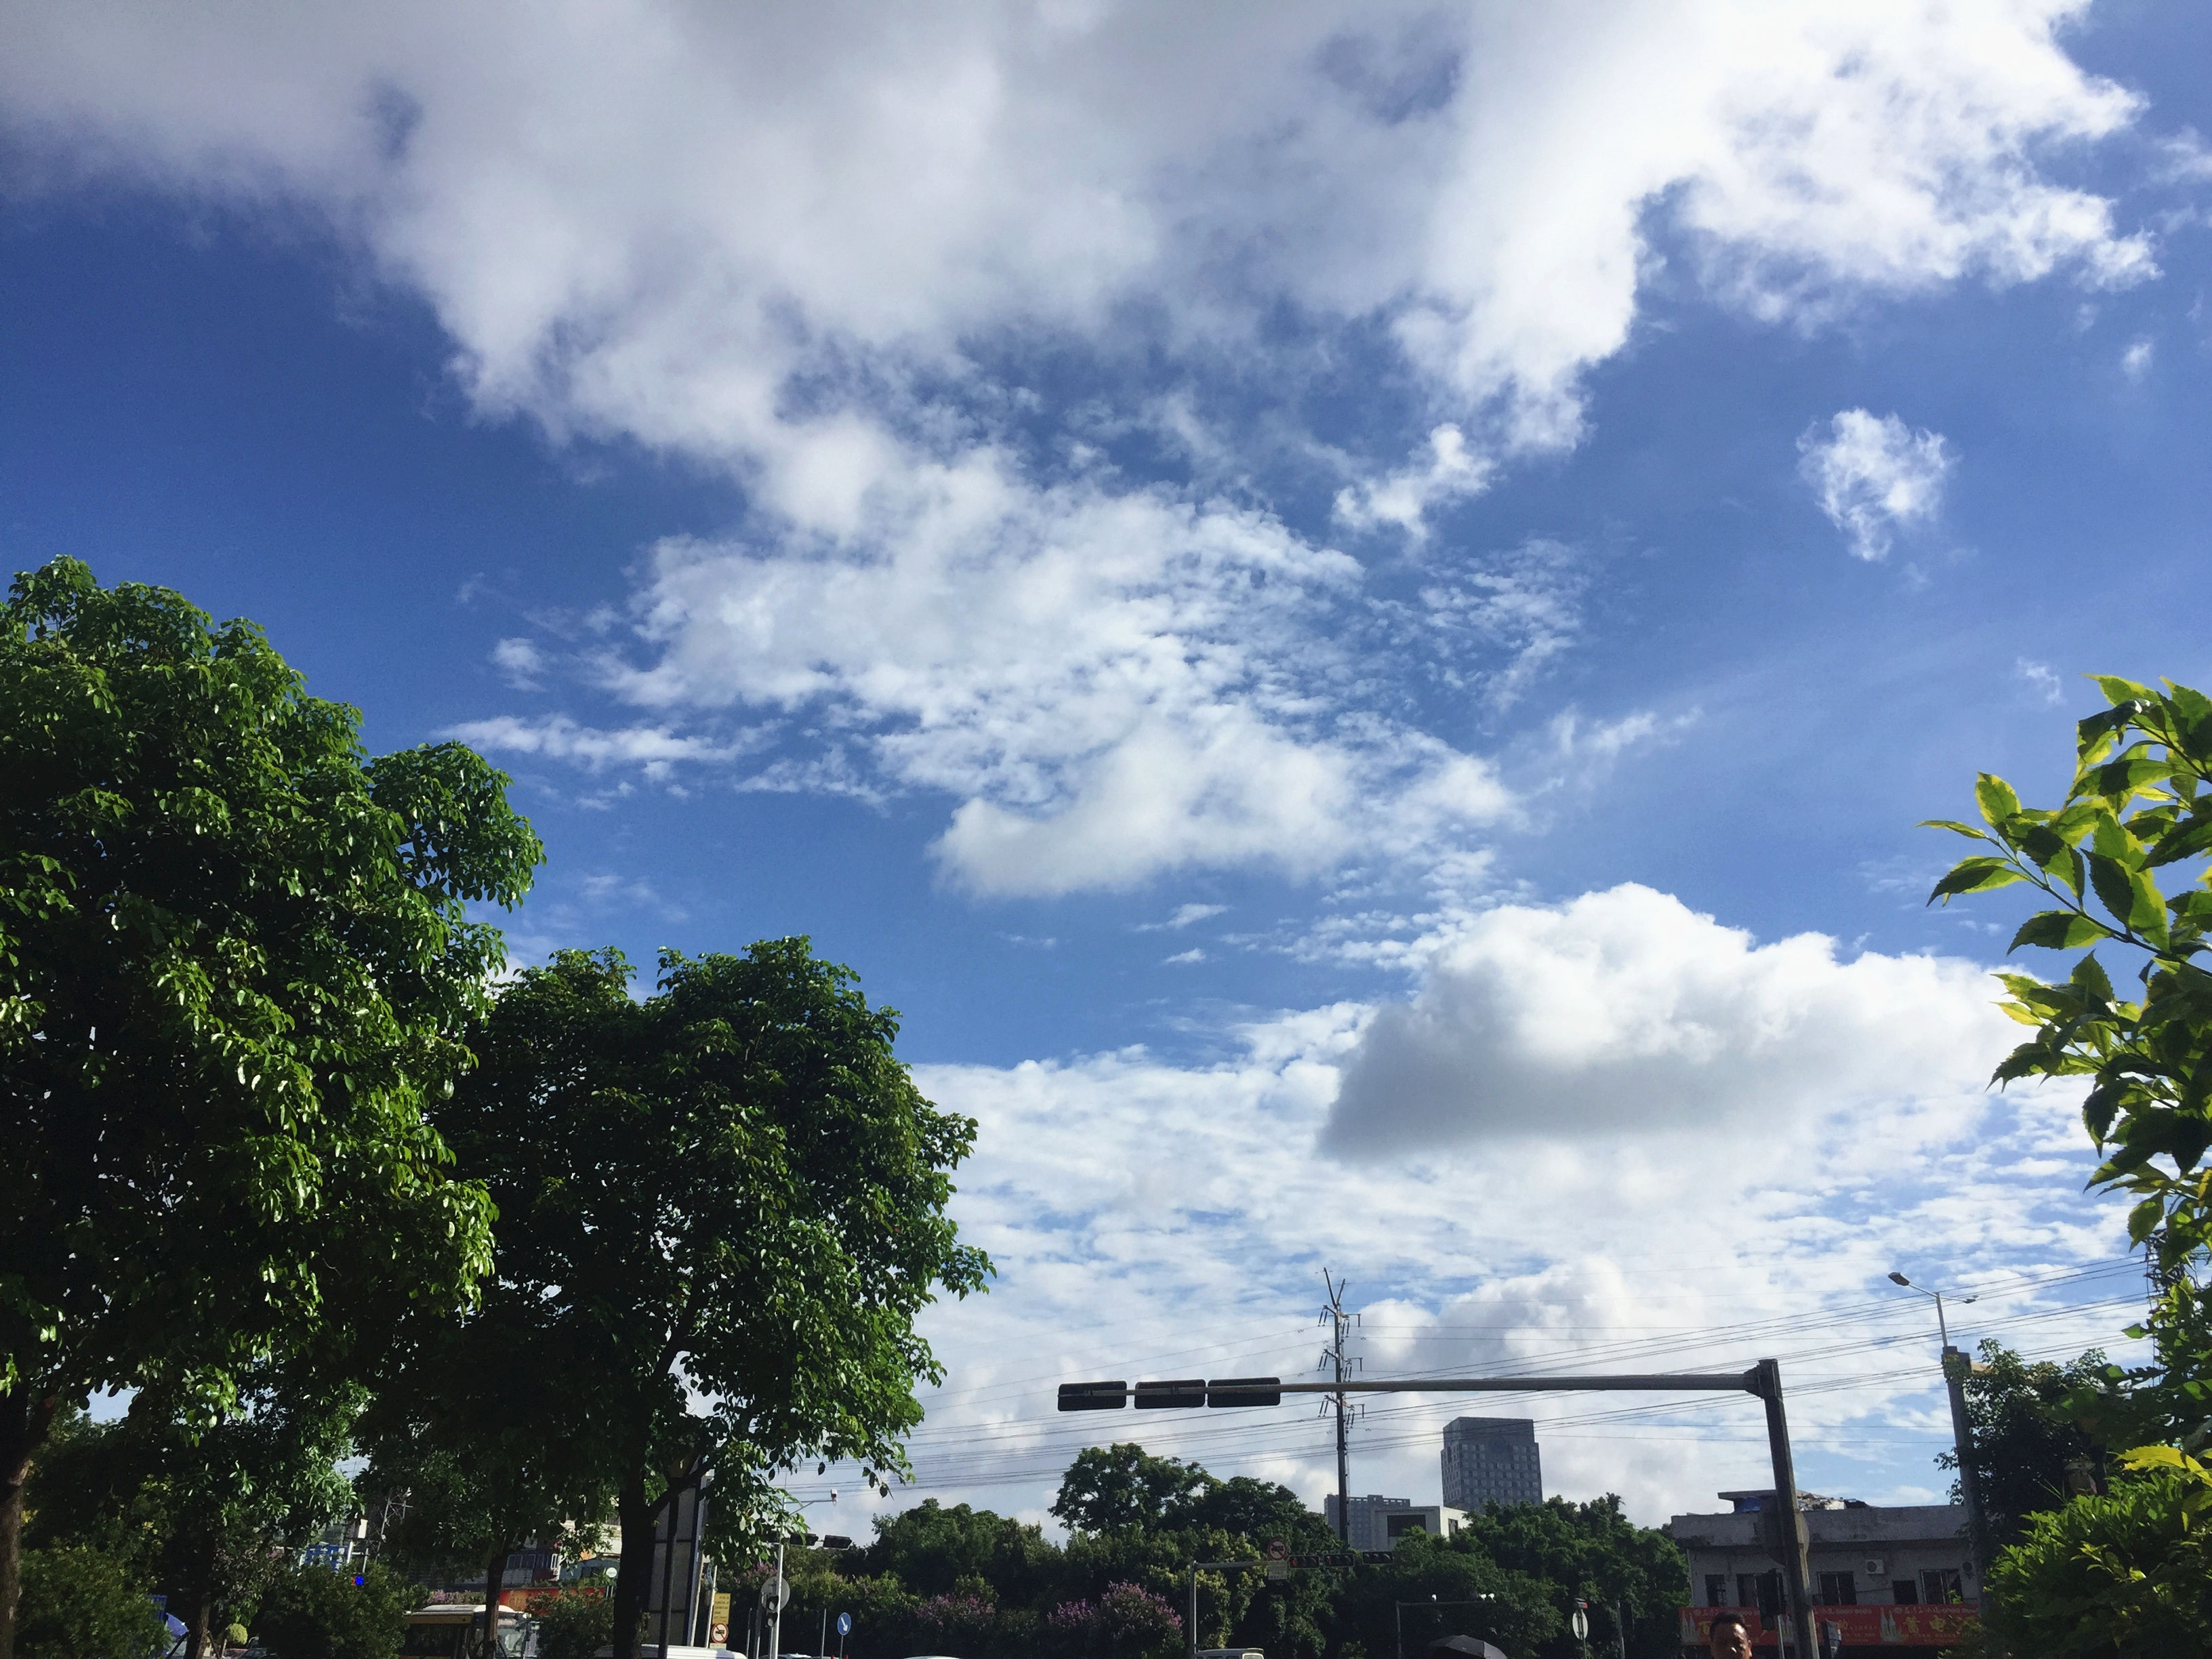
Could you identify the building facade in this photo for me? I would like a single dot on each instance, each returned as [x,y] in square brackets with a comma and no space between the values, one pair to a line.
[1492,1460]
[1378,1522]
[1892,1579]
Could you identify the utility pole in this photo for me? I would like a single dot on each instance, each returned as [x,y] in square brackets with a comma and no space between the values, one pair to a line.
[1958,1366]
[1333,1315]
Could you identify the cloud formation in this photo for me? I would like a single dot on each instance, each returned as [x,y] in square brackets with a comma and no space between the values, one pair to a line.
[1547,1230]
[796,249]
[1626,1012]
[1875,475]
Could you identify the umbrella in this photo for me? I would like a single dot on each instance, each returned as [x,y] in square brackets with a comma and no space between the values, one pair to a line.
[1445,1647]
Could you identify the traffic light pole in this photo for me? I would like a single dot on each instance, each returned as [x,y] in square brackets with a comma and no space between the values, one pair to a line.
[1787,1536]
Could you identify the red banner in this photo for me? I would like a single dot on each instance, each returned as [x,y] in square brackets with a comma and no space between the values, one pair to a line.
[1933,1624]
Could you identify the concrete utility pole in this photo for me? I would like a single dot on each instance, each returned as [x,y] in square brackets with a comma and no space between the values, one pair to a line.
[1333,1315]
[1957,1367]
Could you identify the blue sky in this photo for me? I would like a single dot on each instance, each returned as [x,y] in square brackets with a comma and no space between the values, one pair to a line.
[1350,610]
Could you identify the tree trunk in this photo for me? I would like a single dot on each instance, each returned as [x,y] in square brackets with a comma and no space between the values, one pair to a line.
[196,1639]
[25,1422]
[495,1579]
[639,1523]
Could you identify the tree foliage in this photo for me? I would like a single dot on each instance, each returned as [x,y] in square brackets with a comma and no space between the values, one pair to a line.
[2024,1437]
[2138,805]
[729,1198]
[79,1603]
[2126,1574]
[200,1503]
[313,1613]
[235,965]
[1123,1487]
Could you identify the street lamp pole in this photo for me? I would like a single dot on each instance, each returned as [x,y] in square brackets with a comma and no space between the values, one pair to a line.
[1956,1368]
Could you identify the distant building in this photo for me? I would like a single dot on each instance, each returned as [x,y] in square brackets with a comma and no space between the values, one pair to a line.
[1892,1578]
[1492,1460]
[1378,1522]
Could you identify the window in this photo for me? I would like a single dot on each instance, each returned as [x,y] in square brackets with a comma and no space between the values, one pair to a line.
[1747,1589]
[1905,1592]
[1838,1589]
[1717,1589]
[1941,1584]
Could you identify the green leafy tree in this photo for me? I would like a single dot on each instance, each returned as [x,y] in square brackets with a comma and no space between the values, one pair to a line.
[2137,813]
[730,1199]
[929,1549]
[2126,1574]
[80,1604]
[235,965]
[1589,1551]
[2024,1439]
[1123,1487]
[1467,1594]
[475,1421]
[573,1625]
[312,1613]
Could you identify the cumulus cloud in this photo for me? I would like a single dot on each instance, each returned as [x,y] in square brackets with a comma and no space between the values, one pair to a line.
[1117,1192]
[1874,476]
[521,662]
[1625,1010]
[792,247]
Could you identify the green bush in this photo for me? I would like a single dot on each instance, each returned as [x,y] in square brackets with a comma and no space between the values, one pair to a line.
[80,1604]
[312,1613]
[573,1625]
[2128,1574]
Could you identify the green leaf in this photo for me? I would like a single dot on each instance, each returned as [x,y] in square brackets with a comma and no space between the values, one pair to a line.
[1977,875]
[1956,827]
[2118,691]
[1996,799]
[2089,977]
[2131,896]
[2050,851]
[2059,930]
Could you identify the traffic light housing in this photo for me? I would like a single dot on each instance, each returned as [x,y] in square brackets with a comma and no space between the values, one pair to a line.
[1094,1396]
[1244,1391]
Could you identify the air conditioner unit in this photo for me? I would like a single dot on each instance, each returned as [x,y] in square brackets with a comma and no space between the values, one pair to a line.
[1876,1568]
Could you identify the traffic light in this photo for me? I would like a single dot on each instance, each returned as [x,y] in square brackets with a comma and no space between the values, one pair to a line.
[1094,1396]
[1244,1391]
[1165,1396]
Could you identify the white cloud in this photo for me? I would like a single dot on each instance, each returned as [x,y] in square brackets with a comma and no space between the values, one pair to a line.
[788,245]
[1111,684]
[1451,472]
[1625,1010]
[1124,1197]
[1184,916]
[2041,682]
[2134,362]
[521,662]
[656,748]
[1875,475]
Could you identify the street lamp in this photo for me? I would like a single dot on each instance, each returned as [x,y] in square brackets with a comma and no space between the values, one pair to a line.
[1956,1367]
[1943,1329]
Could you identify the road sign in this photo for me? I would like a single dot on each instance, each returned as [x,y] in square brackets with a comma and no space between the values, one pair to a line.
[1279,1549]
[775,1595]
[1580,1624]
[844,1623]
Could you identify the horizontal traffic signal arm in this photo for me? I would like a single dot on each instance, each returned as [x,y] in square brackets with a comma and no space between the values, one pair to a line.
[1184,1392]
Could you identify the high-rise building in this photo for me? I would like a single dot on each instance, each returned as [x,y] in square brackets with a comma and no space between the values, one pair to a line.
[1492,1460]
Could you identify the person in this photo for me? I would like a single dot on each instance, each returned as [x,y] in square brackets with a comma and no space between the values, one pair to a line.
[1731,1637]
